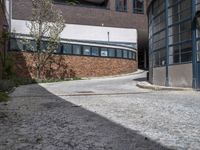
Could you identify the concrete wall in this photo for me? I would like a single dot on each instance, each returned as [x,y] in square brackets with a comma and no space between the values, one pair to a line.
[180,75]
[63,66]
[159,75]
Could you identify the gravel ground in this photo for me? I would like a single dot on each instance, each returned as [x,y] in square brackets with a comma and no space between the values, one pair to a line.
[99,114]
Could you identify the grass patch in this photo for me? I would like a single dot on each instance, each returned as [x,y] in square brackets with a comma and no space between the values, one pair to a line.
[51,80]
[3,97]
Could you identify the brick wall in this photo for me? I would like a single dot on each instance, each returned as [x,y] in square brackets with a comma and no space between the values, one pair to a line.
[89,15]
[62,66]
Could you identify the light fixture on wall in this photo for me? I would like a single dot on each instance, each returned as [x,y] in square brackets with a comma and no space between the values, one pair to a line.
[5,27]
[108,33]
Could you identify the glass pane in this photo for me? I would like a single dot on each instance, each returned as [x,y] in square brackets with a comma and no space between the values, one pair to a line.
[198,56]
[32,46]
[174,53]
[186,57]
[130,55]
[134,55]
[86,50]
[119,53]
[104,52]
[121,5]
[198,27]
[138,6]
[16,44]
[77,49]
[187,47]
[111,52]
[95,51]
[125,54]
[67,48]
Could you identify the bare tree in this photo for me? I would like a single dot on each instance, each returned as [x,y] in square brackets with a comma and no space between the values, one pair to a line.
[45,26]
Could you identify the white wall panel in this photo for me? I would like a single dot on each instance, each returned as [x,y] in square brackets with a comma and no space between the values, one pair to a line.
[84,32]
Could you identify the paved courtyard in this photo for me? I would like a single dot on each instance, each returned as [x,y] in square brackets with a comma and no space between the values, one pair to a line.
[99,114]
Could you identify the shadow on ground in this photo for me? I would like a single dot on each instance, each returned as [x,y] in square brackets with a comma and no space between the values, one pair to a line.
[140,79]
[37,119]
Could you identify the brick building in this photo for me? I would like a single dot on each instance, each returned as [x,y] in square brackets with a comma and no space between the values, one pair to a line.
[104,37]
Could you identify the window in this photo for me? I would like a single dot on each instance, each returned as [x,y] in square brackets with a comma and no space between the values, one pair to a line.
[130,55]
[86,50]
[186,52]
[111,52]
[198,50]
[16,44]
[104,52]
[125,54]
[73,49]
[138,6]
[134,55]
[67,48]
[174,57]
[121,5]
[76,49]
[44,46]
[198,56]
[31,46]
[119,53]
[59,50]
[159,58]
[95,51]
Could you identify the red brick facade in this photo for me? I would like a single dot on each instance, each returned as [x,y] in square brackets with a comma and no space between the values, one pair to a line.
[63,66]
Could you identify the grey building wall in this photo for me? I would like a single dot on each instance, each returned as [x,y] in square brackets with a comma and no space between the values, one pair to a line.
[180,75]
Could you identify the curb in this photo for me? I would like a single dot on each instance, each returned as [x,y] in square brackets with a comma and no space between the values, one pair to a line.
[147,85]
[121,75]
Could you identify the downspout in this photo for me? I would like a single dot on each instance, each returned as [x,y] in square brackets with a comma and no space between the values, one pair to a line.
[167,46]
[194,50]
[10,15]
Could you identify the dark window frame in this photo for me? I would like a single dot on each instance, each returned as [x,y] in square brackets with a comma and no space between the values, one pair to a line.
[137,9]
[121,5]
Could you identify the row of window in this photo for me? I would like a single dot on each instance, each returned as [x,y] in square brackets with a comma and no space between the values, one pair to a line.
[138,6]
[176,21]
[74,49]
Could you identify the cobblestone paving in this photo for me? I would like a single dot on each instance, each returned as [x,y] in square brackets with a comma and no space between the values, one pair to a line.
[99,114]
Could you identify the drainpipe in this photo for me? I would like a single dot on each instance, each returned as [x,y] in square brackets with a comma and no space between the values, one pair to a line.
[194,50]
[167,46]
[10,15]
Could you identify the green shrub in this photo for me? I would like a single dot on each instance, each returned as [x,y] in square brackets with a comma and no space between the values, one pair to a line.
[22,81]
[7,65]
[3,97]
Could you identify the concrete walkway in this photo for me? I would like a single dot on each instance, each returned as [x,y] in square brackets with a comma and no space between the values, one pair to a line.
[100,114]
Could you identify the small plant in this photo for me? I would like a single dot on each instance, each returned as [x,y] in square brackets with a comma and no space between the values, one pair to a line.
[77,78]
[72,2]
[7,67]
[22,81]
[3,97]
[5,59]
